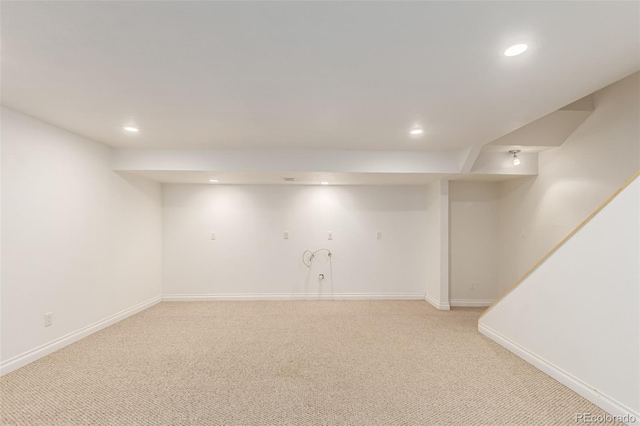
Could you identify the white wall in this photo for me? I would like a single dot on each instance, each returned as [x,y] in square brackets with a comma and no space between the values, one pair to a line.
[437,255]
[78,240]
[250,258]
[577,316]
[536,213]
[473,251]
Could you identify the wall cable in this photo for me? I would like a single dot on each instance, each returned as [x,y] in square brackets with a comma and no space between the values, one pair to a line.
[312,254]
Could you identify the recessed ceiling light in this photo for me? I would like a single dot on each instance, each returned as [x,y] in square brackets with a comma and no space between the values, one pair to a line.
[515,50]
[213,180]
[324,183]
[131,129]
[416,132]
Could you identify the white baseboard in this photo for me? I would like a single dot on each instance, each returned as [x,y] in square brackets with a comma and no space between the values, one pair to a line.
[59,343]
[472,303]
[290,296]
[443,306]
[603,401]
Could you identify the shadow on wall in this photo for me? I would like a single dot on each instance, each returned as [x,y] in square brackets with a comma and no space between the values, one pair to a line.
[143,185]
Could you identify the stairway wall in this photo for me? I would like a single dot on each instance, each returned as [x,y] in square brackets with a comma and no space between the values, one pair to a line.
[577,315]
[537,212]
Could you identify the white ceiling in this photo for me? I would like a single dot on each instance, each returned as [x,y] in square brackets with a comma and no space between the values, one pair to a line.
[308,75]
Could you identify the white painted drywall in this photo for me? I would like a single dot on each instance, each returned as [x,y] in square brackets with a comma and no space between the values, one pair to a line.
[326,161]
[474,228]
[78,240]
[250,257]
[501,163]
[577,316]
[536,213]
[437,255]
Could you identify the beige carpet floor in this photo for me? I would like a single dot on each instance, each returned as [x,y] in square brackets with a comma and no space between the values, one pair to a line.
[288,363]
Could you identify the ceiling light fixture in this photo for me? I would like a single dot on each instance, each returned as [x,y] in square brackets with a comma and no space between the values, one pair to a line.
[416,132]
[515,50]
[516,160]
[213,180]
[324,183]
[131,129]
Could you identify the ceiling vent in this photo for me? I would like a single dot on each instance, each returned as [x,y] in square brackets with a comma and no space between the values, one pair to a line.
[289,179]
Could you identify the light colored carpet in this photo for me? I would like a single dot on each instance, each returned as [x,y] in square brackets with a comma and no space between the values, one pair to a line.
[288,363]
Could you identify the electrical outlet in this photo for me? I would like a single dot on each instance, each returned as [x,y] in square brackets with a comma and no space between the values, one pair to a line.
[286,235]
[213,235]
[378,235]
[48,319]
[330,236]
[473,286]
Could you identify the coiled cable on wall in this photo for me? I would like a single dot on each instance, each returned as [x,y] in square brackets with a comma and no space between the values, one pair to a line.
[312,254]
